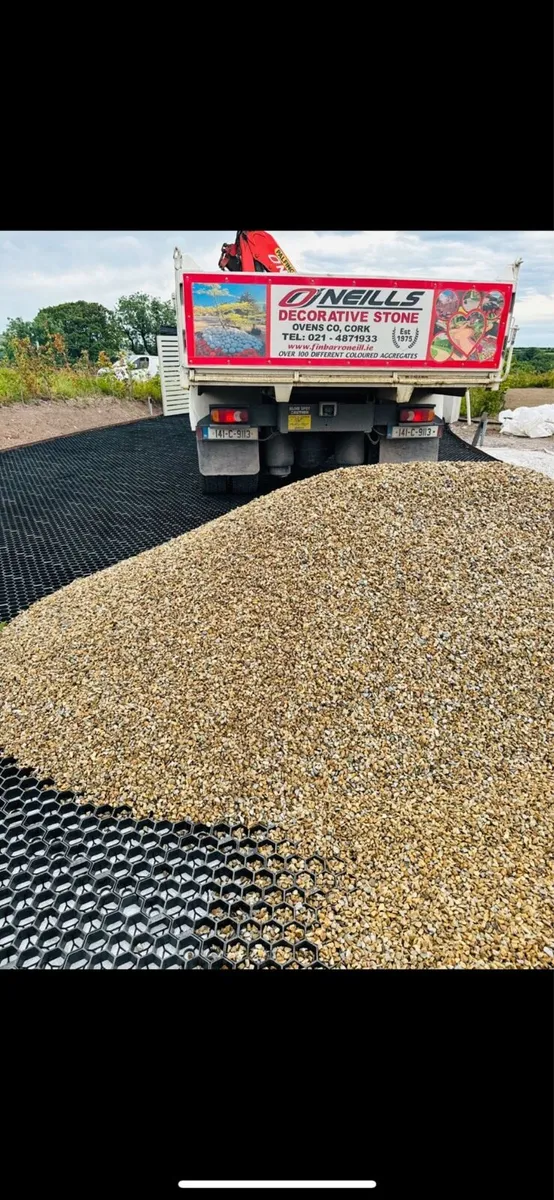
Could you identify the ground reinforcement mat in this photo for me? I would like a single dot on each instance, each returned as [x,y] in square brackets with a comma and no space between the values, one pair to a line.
[362,662]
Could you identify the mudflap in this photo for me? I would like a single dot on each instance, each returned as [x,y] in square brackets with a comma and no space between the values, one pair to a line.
[228,458]
[416,450]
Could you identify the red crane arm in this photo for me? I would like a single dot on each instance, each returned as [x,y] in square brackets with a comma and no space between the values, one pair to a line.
[254,250]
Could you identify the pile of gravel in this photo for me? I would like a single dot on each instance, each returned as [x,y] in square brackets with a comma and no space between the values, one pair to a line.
[365,658]
[231,341]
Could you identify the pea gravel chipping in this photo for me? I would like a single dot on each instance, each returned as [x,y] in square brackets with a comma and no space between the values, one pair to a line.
[366,659]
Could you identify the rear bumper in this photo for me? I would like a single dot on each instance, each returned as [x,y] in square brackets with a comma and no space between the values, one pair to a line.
[327,377]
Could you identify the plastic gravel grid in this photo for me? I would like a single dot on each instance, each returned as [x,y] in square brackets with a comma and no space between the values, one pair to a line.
[92,888]
[76,504]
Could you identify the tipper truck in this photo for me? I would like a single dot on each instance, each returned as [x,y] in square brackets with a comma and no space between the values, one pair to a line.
[293,371]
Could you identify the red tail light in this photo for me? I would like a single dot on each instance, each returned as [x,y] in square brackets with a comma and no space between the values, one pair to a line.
[229,416]
[417,414]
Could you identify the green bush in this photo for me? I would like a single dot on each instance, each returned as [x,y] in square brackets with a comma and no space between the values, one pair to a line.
[539,359]
[63,383]
[148,389]
[484,401]
[10,386]
[521,377]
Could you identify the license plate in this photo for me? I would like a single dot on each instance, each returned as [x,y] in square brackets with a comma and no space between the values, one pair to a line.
[414,431]
[214,433]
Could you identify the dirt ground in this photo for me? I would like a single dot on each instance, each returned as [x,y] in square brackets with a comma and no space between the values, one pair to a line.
[23,423]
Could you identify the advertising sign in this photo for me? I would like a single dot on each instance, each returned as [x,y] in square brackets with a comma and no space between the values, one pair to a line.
[244,320]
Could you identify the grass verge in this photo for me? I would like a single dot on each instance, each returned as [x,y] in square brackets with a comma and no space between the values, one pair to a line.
[64,384]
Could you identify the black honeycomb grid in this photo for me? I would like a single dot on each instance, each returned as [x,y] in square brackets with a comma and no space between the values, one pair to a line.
[92,888]
[77,504]
[74,505]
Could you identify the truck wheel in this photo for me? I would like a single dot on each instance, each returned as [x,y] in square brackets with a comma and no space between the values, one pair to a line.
[245,485]
[213,485]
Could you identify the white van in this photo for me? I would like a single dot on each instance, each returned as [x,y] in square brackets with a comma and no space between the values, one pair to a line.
[136,366]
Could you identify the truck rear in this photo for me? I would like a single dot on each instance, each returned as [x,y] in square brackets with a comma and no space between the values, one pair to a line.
[294,371]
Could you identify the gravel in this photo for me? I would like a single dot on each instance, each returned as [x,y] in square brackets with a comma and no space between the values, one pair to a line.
[231,341]
[365,659]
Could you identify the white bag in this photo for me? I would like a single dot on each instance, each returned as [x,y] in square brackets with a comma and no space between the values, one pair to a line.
[528,422]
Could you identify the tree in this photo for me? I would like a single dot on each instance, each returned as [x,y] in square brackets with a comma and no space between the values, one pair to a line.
[140,317]
[535,358]
[16,330]
[85,326]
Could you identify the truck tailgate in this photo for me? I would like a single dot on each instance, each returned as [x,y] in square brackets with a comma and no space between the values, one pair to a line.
[265,329]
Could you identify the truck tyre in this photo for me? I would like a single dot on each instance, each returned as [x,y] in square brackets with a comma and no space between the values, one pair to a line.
[245,485]
[213,485]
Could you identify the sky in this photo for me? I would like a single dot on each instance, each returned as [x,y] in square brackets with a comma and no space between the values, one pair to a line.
[41,267]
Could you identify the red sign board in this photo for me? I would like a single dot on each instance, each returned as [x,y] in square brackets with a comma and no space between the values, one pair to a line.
[298,321]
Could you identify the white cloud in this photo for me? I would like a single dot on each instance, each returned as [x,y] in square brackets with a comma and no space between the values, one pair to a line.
[125,241]
[101,283]
[377,252]
[394,252]
[535,306]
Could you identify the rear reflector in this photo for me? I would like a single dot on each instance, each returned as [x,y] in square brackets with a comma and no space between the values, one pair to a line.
[229,416]
[417,414]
